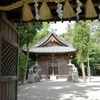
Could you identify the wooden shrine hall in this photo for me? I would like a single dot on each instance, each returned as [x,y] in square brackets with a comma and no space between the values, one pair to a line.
[12,11]
[53,55]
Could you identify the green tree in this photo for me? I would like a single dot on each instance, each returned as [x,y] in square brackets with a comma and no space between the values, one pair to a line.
[44,32]
[69,32]
[29,37]
[27,34]
[81,41]
[21,67]
[95,53]
[94,56]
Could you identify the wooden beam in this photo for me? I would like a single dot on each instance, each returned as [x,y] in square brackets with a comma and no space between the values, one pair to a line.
[0,38]
[7,78]
[54,7]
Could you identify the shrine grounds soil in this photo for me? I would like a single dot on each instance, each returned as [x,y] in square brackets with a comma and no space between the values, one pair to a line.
[60,89]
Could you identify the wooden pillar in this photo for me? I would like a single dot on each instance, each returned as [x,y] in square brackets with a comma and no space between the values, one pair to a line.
[8,59]
[0,41]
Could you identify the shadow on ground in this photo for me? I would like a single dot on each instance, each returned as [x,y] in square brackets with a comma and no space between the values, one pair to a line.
[60,90]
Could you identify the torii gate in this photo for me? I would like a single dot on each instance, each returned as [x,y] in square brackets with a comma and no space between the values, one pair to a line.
[50,10]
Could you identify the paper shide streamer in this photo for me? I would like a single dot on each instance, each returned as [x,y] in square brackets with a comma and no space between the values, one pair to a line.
[59,10]
[37,17]
[78,9]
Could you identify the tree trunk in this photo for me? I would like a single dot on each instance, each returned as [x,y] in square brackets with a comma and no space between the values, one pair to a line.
[83,72]
[27,56]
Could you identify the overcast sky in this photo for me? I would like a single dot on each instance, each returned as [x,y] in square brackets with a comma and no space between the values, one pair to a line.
[60,27]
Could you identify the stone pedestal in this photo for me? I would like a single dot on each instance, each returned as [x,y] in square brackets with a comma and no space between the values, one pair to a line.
[73,77]
[31,78]
[73,73]
[36,78]
[52,77]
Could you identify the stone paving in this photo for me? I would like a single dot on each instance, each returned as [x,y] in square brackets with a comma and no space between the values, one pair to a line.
[60,89]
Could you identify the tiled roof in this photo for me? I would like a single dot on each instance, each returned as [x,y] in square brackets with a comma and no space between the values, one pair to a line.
[51,49]
[56,36]
[40,48]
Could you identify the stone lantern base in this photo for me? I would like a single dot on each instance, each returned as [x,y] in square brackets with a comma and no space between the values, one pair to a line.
[52,77]
[73,77]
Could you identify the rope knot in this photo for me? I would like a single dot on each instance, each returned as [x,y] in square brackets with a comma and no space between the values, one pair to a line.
[24,1]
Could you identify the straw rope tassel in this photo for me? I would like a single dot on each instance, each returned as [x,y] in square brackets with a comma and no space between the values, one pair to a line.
[90,10]
[27,13]
[45,12]
[99,11]
[68,11]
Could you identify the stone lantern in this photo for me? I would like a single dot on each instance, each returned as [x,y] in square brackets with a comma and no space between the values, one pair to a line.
[31,75]
[73,73]
[36,69]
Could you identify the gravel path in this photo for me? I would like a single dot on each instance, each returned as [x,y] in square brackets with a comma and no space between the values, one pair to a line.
[60,90]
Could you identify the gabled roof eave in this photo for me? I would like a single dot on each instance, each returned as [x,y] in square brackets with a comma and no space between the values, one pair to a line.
[48,36]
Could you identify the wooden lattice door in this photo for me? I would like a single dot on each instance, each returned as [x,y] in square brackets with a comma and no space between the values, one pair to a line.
[8,59]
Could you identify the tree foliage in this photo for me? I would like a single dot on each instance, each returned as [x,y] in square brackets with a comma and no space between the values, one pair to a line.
[44,32]
[81,40]
[27,34]
[68,34]
[21,67]
[94,51]
[95,34]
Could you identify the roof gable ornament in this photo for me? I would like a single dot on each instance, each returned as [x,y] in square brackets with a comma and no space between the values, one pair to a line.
[51,30]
